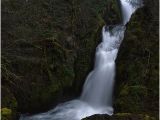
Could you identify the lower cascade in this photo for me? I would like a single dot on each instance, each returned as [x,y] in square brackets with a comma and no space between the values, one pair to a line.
[96,97]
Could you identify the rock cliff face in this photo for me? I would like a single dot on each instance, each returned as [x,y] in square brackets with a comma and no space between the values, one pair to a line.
[48,49]
[137,63]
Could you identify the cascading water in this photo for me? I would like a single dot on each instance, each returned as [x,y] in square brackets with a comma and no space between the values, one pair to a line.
[98,87]
[96,97]
[128,7]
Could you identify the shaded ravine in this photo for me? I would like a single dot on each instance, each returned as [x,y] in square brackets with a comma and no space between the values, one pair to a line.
[96,96]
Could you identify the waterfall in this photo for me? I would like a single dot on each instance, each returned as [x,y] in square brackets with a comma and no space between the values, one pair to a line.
[96,96]
[128,7]
[98,87]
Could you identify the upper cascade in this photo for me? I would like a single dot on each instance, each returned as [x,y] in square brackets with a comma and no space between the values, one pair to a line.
[128,7]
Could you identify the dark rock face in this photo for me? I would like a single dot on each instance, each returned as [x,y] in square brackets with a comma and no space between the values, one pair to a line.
[37,52]
[113,13]
[137,63]
[120,116]
[48,49]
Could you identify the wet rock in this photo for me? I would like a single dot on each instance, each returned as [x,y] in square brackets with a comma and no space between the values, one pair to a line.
[113,12]
[120,116]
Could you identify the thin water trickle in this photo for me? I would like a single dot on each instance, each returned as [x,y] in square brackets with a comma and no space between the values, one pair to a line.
[97,91]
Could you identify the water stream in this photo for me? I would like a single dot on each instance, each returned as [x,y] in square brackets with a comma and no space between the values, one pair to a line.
[96,97]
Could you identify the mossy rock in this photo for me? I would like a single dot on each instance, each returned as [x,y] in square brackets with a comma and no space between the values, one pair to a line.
[8,98]
[137,64]
[9,104]
[113,12]
[6,114]
[134,95]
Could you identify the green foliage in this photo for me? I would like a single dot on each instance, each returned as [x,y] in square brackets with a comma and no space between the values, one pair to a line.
[6,114]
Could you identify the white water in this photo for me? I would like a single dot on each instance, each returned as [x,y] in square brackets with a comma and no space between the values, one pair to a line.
[98,87]
[96,97]
[128,8]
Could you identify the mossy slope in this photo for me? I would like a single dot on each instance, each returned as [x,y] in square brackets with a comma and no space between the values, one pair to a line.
[48,49]
[137,63]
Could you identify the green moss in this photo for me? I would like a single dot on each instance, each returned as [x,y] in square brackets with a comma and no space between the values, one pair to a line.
[6,111]
[123,114]
[6,114]
[131,98]
[137,64]
[146,117]
[9,103]
[133,90]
